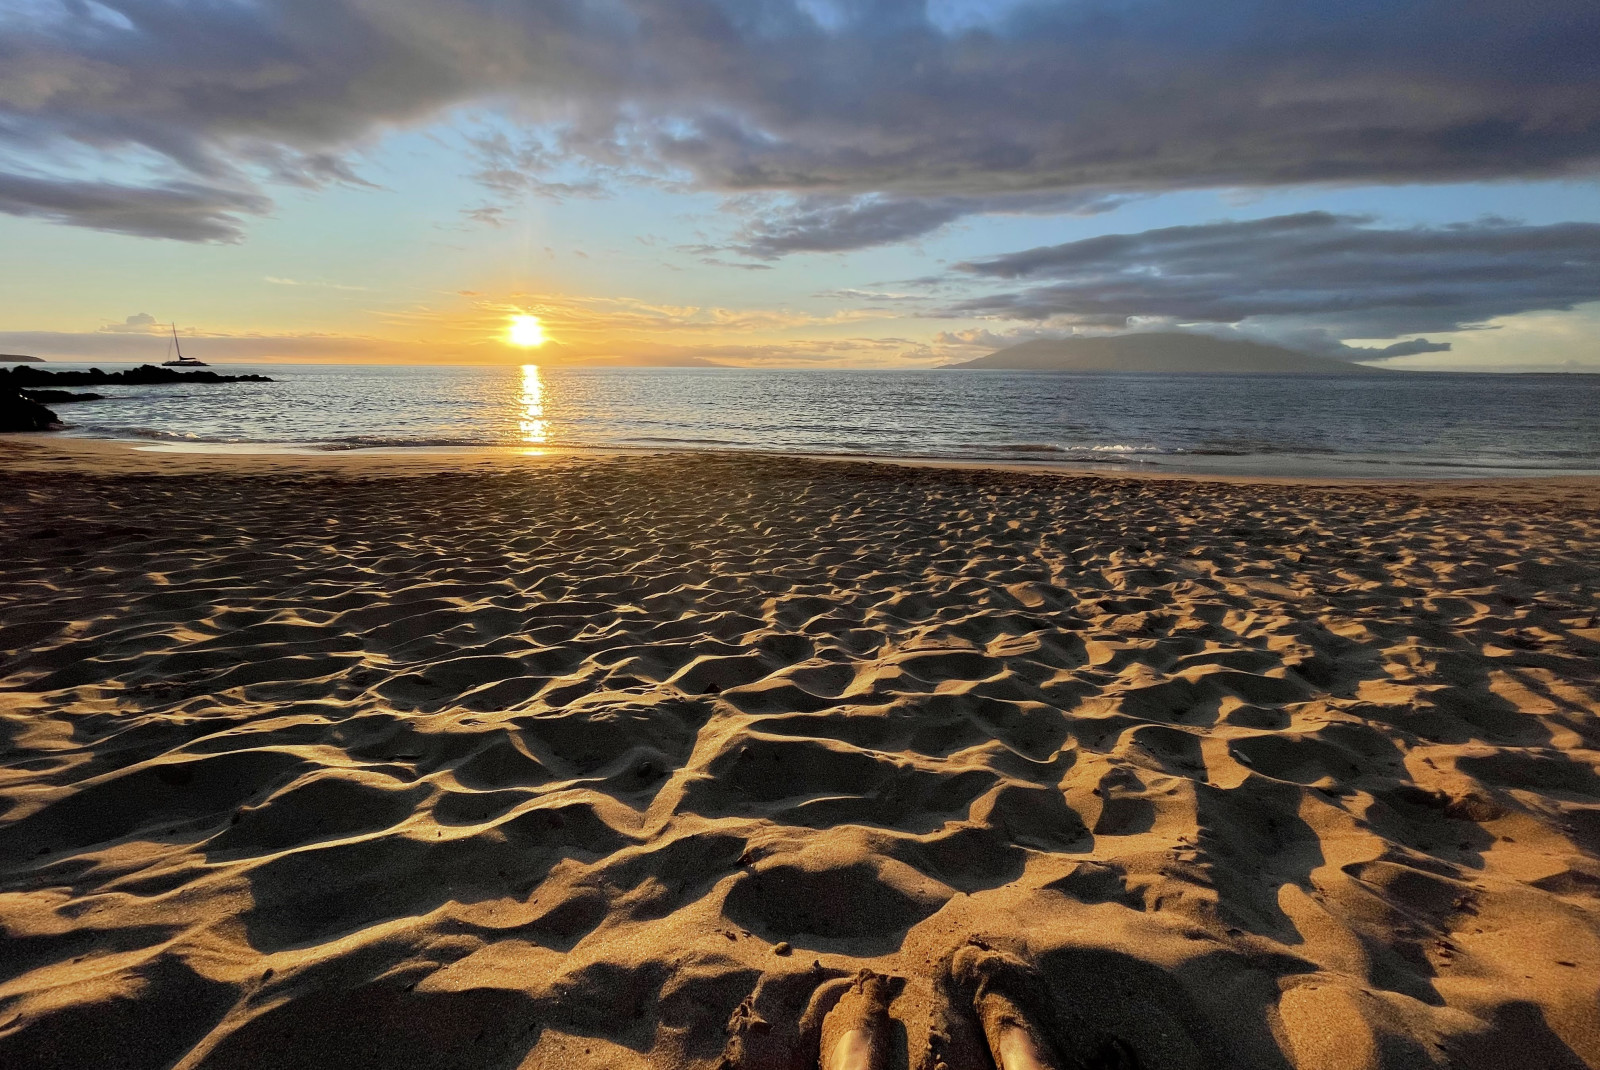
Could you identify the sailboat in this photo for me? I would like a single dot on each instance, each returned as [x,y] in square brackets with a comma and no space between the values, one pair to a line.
[182,361]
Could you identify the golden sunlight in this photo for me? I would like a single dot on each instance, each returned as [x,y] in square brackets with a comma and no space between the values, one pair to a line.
[535,429]
[527,331]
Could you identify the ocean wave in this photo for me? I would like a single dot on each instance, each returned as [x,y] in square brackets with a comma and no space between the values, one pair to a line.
[1055,448]
[153,434]
[379,442]
[1029,447]
[650,440]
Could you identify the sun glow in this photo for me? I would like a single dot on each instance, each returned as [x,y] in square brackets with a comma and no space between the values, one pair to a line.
[527,331]
[534,427]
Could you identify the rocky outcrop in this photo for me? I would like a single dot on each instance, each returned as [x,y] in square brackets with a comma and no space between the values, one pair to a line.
[59,397]
[20,396]
[143,375]
[18,413]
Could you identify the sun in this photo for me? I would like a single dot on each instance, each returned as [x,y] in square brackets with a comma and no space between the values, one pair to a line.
[527,331]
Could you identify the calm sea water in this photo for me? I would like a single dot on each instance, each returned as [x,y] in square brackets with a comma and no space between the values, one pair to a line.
[1392,422]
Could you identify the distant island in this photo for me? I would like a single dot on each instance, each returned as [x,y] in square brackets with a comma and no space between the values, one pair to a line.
[1170,351]
[19,358]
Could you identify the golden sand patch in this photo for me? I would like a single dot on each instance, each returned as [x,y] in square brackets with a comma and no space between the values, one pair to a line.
[601,762]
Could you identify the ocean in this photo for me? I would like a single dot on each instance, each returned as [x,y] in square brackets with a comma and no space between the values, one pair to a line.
[1386,423]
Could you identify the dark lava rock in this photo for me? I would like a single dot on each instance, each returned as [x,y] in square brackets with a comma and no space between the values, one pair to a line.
[143,375]
[18,413]
[59,397]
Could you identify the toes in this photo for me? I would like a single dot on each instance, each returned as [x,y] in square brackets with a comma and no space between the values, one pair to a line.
[1013,1036]
[879,990]
[1006,995]
[979,968]
[823,1000]
[855,1032]
[955,1039]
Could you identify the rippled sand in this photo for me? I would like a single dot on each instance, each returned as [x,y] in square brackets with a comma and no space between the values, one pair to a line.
[612,762]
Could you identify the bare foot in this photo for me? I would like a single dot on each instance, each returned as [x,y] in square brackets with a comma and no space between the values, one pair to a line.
[1013,1040]
[855,1033]
[1014,1010]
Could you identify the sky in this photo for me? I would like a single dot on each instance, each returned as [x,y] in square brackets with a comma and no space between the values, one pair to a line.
[879,183]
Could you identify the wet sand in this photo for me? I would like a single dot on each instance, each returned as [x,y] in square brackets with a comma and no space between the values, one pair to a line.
[592,761]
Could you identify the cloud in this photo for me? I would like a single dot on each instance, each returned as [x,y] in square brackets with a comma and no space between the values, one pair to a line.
[1340,275]
[183,211]
[490,215]
[831,225]
[850,293]
[138,323]
[114,344]
[583,332]
[827,223]
[797,96]
[1410,348]
[511,170]
[984,340]
[321,284]
[1318,340]
[717,261]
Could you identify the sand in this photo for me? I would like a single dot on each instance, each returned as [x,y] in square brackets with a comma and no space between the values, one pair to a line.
[589,761]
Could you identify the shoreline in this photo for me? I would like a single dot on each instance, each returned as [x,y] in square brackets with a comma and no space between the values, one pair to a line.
[54,450]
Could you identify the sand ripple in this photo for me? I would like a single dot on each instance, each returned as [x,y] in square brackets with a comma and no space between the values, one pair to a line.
[561,766]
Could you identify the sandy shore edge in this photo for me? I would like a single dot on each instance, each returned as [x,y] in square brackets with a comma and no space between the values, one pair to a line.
[49,452]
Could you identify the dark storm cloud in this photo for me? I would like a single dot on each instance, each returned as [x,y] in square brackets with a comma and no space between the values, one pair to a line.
[1337,272]
[184,210]
[757,95]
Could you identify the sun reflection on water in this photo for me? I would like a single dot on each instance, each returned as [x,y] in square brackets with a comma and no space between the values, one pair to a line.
[534,427]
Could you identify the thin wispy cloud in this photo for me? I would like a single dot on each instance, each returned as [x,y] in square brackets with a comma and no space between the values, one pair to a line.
[278,280]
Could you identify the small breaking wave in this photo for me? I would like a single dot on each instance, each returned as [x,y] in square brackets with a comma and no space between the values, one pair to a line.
[152,434]
[379,442]
[1067,451]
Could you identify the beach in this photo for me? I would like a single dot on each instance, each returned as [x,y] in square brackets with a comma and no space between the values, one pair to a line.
[578,759]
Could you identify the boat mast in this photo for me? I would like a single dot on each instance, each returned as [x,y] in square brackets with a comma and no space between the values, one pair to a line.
[176,342]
